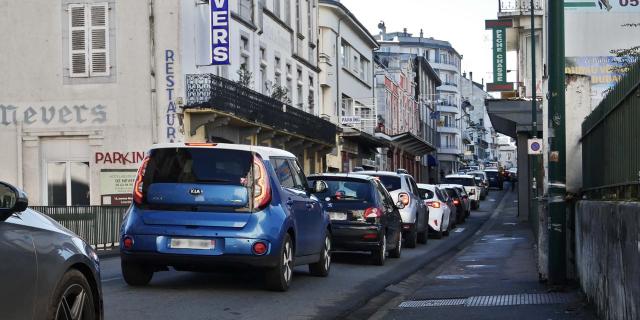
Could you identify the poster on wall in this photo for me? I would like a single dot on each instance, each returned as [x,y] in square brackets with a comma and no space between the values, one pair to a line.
[599,69]
[603,5]
[116,186]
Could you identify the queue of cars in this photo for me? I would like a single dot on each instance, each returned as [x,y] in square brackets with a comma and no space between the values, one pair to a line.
[198,206]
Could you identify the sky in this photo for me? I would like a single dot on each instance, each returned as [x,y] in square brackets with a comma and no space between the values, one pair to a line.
[461,22]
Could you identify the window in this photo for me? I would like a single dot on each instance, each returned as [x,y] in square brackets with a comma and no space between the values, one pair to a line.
[244,43]
[287,12]
[67,183]
[89,40]
[355,64]
[284,172]
[298,18]
[310,27]
[364,66]
[343,55]
[263,80]
[245,9]
[300,97]
[263,54]
[300,181]
[278,63]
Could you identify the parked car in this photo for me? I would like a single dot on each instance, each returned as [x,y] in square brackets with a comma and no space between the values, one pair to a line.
[495,178]
[461,204]
[466,200]
[470,185]
[198,206]
[48,272]
[363,215]
[441,218]
[483,183]
[415,215]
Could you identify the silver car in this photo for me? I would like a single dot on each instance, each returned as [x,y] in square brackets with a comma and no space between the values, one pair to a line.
[415,214]
[48,272]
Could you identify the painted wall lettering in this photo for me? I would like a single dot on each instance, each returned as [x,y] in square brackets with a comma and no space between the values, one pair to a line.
[122,158]
[169,60]
[52,115]
[219,32]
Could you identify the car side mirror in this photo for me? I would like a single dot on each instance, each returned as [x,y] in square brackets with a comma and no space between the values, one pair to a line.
[12,201]
[319,186]
[399,205]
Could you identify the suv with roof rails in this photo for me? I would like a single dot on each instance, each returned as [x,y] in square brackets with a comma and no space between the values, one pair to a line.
[202,205]
[470,185]
[415,214]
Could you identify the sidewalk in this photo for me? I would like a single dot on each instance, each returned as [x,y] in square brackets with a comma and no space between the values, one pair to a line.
[494,277]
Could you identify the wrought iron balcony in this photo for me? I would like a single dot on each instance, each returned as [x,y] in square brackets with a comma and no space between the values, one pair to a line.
[519,7]
[211,91]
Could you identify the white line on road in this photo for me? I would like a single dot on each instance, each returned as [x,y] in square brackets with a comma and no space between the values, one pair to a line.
[458,230]
[492,200]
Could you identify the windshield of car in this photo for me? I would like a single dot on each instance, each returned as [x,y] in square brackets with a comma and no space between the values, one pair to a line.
[390,182]
[467,182]
[341,190]
[198,165]
[427,193]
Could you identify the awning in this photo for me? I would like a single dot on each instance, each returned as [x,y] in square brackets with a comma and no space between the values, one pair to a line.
[412,144]
[511,116]
[364,139]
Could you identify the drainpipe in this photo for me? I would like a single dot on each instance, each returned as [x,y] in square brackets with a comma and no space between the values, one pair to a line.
[338,46]
[153,80]
[19,152]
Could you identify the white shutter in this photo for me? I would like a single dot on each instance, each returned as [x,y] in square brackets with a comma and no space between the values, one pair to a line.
[99,40]
[78,39]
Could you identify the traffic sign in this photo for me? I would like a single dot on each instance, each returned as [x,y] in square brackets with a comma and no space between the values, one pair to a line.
[535,146]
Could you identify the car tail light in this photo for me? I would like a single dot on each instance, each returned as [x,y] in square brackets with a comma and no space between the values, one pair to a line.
[259,248]
[127,242]
[456,202]
[138,186]
[261,187]
[372,213]
[404,198]
[370,236]
[434,204]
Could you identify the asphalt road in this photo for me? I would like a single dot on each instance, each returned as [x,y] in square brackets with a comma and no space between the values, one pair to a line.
[241,295]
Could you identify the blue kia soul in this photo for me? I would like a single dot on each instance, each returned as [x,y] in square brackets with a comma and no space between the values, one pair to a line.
[200,206]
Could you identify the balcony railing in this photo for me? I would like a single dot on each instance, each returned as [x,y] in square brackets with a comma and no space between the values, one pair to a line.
[515,6]
[211,91]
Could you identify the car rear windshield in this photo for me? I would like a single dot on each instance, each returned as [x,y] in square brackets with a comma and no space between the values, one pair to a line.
[452,193]
[492,174]
[467,182]
[390,182]
[198,165]
[345,190]
[427,193]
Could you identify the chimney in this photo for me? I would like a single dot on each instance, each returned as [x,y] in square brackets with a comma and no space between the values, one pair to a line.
[383,29]
[421,34]
[471,76]
[464,75]
[405,32]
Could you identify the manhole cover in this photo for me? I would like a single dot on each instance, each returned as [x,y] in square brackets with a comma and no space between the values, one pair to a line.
[494,301]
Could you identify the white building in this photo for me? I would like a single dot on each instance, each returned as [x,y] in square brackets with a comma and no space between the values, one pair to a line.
[477,125]
[446,61]
[91,84]
[346,82]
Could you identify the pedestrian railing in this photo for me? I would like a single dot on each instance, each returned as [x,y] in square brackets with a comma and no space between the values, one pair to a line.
[610,150]
[97,225]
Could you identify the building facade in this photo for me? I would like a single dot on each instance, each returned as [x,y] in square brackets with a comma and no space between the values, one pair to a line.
[114,77]
[446,61]
[477,125]
[346,86]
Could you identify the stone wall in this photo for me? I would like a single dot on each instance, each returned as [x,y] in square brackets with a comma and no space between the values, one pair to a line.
[608,256]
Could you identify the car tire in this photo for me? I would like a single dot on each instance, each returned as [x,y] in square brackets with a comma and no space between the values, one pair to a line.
[322,267]
[397,251]
[379,255]
[135,274]
[423,236]
[279,277]
[74,297]
[411,239]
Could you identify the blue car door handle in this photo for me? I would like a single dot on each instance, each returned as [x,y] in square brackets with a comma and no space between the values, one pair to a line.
[289,202]
[309,205]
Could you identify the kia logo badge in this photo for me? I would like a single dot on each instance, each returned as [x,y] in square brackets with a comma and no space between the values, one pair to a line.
[195,191]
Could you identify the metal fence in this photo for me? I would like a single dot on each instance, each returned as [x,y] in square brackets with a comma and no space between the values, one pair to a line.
[97,225]
[610,150]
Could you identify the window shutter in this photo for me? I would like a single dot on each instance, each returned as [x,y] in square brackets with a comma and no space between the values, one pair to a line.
[99,35]
[78,49]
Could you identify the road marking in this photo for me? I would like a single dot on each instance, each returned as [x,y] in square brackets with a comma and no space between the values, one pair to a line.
[458,230]
[111,279]
[492,200]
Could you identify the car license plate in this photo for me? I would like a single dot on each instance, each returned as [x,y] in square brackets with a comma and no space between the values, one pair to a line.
[338,215]
[196,244]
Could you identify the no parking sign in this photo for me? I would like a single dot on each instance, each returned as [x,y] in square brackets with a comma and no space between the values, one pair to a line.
[535,146]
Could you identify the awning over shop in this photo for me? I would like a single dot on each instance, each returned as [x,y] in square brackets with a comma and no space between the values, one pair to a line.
[412,144]
[365,140]
[511,116]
